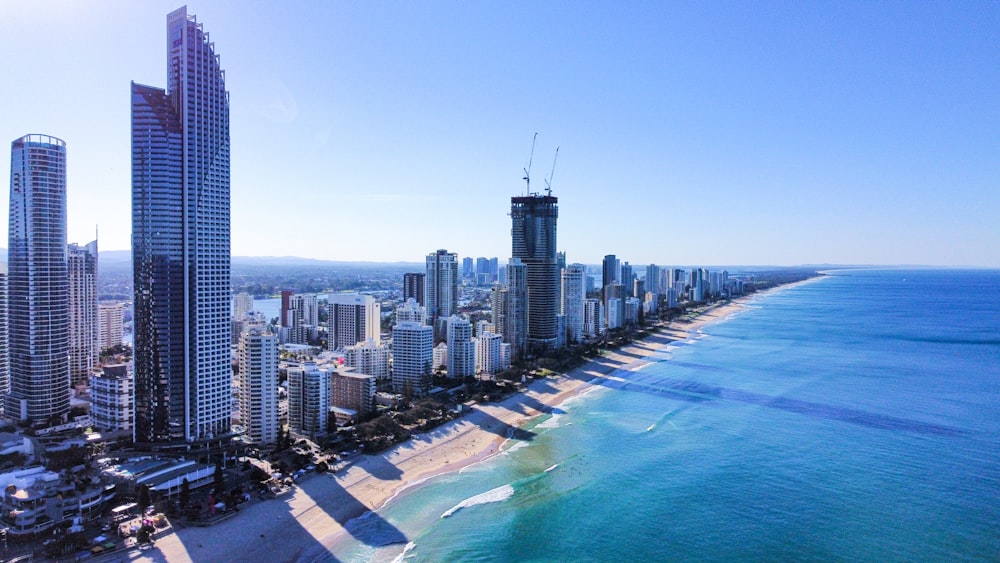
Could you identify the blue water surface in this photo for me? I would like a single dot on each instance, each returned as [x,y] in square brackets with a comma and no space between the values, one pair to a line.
[856,417]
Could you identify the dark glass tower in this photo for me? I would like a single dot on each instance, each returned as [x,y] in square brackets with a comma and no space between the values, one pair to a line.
[180,243]
[38,282]
[533,237]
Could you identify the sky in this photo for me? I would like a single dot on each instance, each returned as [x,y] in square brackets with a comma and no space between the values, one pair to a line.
[689,133]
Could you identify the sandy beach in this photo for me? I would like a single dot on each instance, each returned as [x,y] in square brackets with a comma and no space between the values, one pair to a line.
[312,520]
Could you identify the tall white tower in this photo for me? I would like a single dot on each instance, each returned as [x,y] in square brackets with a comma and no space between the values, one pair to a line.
[38,282]
[258,379]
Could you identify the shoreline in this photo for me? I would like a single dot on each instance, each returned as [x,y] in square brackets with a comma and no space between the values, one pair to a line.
[317,517]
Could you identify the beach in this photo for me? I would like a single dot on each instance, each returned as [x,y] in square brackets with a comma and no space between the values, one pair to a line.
[314,518]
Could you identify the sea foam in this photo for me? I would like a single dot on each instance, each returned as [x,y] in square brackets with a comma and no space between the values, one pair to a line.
[498,494]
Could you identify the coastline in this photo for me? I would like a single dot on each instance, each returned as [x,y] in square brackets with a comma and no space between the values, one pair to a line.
[317,516]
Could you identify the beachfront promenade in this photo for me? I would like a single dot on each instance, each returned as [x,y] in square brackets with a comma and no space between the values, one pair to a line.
[313,519]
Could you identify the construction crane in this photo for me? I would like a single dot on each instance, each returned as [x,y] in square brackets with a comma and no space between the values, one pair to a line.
[548,183]
[527,171]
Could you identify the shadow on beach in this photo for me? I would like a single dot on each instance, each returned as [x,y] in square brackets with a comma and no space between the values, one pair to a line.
[360,521]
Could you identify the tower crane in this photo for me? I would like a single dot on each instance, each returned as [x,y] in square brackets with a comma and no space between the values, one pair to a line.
[527,171]
[548,183]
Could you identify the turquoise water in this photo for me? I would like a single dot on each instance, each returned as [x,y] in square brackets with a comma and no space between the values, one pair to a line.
[856,417]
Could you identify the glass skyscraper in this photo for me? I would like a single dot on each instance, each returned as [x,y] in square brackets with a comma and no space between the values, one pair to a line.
[180,243]
[533,237]
[38,283]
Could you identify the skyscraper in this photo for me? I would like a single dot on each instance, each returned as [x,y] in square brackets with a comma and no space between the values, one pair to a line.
[38,282]
[510,308]
[413,287]
[573,295]
[81,262]
[109,326]
[609,270]
[180,243]
[441,287]
[258,395]
[461,348]
[4,355]
[533,241]
[412,358]
[353,318]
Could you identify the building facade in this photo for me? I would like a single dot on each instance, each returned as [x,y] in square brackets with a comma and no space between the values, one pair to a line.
[353,391]
[353,318]
[441,289]
[181,243]
[413,287]
[461,348]
[111,404]
[573,295]
[308,399]
[368,358]
[110,329]
[510,308]
[81,263]
[258,385]
[533,241]
[412,358]
[242,304]
[411,311]
[38,281]
[4,354]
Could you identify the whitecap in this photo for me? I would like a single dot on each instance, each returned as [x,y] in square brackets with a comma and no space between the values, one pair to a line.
[402,556]
[552,422]
[498,494]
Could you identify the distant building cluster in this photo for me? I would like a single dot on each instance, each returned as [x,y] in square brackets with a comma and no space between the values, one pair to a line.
[205,363]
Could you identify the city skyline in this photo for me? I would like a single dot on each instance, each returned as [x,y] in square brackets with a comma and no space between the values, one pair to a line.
[851,134]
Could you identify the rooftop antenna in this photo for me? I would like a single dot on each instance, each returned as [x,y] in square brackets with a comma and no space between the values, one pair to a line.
[527,171]
[548,183]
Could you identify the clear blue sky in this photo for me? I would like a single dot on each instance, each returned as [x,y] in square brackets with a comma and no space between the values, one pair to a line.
[709,133]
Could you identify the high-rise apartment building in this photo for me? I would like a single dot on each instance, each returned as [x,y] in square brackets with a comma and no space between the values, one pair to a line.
[111,402]
[573,295]
[4,354]
[309,389]
[441,288]
[413,287]
[368,358]
[609,269]
[353,318]
[489,354]
[653,282]
[110,329]
[81,263]
[258,380]
[411,311]
[510,308]
[302,316]
[38,282]
[461,348]
[180,243]
[242,304]
[533,241]
[593,318]
[412,358]
[626,279]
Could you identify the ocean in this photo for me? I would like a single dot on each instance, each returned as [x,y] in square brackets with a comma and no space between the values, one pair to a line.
[854,417]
